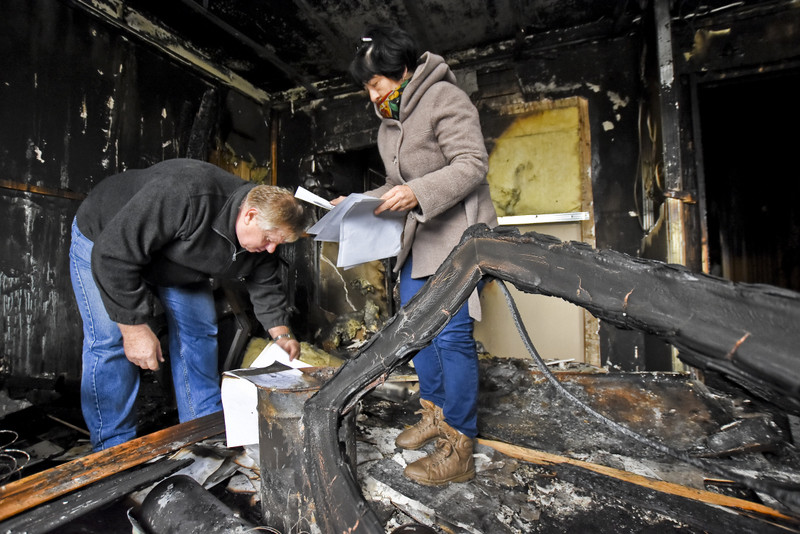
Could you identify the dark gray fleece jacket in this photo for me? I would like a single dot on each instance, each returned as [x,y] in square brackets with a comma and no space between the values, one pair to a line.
[173,224]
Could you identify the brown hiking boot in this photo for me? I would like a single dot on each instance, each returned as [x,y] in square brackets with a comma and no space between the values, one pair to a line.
[451,461]
[424,431]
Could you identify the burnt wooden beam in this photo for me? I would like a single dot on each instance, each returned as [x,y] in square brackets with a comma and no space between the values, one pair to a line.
[264,52]
[748,331]
[36,489]
[119,15]
[704,496]
[670,136]
[41,190]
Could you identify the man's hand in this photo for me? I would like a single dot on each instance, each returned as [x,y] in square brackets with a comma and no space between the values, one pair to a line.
[291,346]
[398,198]
[142,347]
[284,338]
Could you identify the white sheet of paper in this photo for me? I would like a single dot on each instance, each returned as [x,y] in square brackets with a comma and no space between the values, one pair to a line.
[240,394]
[362,235]
[239,403]
[274,353]
[304,194]
[327,228]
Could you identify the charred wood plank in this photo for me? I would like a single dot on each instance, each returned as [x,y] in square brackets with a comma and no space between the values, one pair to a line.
[203,127]
[697,516]
[36,489]
[48,516]
[611,496]
[747,332]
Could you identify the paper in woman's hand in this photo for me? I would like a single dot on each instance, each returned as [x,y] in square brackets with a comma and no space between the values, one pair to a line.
[362,235]
[304,194]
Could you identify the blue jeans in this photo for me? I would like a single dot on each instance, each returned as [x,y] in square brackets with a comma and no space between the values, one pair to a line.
[447,368]
[110,383]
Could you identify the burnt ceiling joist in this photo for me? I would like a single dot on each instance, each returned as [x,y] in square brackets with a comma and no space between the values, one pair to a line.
[300,49]
[264,52]
[275,51]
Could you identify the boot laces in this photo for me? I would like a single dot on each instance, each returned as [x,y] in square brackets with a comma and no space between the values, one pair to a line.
[428,418]
[444,449]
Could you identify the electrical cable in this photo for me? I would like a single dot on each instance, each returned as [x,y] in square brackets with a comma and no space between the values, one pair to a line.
[11,460]
[787,493]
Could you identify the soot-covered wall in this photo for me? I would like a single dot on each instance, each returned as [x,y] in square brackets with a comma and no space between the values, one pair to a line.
[79,102]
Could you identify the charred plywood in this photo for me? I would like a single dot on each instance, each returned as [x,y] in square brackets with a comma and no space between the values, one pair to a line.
[37,302]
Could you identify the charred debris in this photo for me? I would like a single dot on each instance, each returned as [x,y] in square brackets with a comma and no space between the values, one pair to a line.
[563,447]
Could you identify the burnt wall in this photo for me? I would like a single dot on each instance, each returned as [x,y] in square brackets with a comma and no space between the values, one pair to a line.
[80,101]
[606,73]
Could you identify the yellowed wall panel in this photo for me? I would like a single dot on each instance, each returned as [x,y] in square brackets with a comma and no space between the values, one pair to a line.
[539,166]
[534,167]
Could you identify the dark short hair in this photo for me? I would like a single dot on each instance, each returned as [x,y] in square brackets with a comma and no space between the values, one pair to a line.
[383,51]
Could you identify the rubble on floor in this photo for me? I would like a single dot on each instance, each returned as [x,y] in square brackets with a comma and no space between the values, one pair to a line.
[587,476]
[518,406]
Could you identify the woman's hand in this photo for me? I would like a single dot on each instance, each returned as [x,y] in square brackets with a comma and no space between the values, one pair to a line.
[337,200]
[398,198]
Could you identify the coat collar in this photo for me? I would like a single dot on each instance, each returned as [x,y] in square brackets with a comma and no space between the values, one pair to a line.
[225,221]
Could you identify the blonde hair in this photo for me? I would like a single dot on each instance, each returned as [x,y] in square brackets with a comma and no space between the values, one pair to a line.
[277,207]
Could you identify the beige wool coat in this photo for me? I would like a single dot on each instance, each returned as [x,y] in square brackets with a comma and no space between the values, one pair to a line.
[437,149]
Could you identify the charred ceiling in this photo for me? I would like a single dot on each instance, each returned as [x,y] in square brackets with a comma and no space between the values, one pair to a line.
[281,47]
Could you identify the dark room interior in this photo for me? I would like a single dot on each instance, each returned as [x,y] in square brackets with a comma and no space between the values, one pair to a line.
[640,161]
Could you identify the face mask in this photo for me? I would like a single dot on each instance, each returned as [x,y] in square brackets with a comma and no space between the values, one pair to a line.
[389,106]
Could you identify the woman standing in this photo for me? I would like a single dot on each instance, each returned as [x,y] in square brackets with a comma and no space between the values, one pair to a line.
[432,147]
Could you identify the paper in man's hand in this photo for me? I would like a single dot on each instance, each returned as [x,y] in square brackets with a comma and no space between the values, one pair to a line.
[240,391]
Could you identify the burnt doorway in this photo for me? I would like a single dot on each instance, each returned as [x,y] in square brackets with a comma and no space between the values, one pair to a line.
[752,186]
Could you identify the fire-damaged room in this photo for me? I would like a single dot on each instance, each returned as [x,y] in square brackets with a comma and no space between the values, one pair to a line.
[414,266]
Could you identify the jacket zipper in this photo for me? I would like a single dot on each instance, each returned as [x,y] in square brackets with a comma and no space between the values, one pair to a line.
[235,252]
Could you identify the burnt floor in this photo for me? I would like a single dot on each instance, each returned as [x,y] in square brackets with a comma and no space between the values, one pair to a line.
[519,406]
